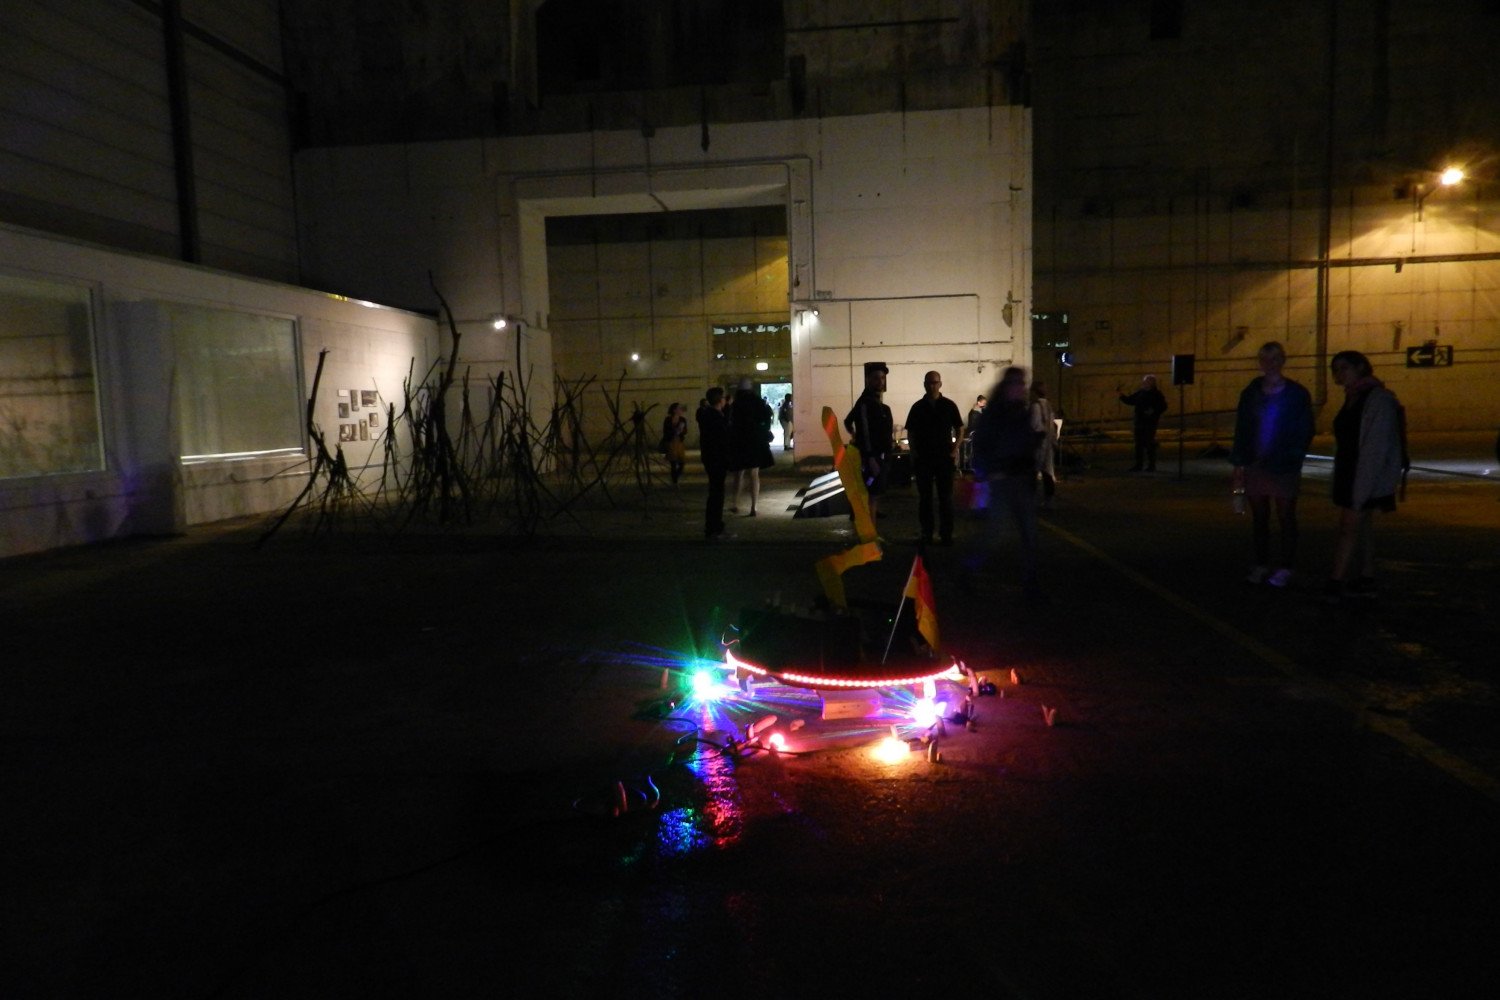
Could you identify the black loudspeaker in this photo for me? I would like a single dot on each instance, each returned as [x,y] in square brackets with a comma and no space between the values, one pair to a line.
[1182,369]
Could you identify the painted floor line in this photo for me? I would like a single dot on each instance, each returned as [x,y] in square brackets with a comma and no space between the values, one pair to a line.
[1397,729]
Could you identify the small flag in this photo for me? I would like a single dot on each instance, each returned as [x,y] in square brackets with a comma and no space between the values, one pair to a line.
[919,589]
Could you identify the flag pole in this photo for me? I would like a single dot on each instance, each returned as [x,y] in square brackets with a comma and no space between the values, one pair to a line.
[897,620]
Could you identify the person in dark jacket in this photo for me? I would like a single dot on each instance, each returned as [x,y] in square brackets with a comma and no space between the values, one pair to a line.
[1273,428]
[872,430]
[1004,456]
[749,442]
[713,442]
[934,429]
[1149,405]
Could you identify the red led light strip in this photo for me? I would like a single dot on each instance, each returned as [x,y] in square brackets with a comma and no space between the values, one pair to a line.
[828,680]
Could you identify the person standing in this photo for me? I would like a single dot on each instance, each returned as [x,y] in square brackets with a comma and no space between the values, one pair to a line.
[872,430]
[971,422]
[1368,460]
[1273,428]
[934,430]
[1005,457]
[1042,419]
[784,418]
[674,440]
[713,442]
[749,442]
[1149,405]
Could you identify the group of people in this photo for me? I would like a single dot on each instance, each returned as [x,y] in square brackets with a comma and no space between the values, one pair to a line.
[1273,430]
[733,436]
[1009,442]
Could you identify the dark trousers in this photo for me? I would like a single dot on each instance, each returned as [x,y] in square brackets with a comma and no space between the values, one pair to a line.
[935,477]
[1145,448]
[713,511]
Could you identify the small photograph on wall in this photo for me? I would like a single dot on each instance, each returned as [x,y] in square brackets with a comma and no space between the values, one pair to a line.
[353,399]
[367,398]
[343,411]
[375,419]
[346,432]
[364,431]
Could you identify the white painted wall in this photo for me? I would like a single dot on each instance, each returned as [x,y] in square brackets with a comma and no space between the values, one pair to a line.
[910,232]
[144,488]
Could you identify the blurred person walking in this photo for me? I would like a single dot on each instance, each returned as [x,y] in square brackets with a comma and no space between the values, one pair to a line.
[1005,448]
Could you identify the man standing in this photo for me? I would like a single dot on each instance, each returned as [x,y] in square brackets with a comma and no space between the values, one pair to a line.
[1149,405]
[784,418]
[713,440]
[871,430]
[934,429]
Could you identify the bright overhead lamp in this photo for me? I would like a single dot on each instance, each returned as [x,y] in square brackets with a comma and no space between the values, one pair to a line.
[1451,176]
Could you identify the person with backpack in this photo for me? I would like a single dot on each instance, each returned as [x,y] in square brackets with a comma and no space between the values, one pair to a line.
[1369,467]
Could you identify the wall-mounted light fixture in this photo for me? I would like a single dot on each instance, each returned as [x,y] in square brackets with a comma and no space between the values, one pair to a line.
[499,322]
[762,366]
[1448,178]
[635,355]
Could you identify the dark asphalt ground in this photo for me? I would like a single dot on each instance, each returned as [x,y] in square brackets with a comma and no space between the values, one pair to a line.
[348,766]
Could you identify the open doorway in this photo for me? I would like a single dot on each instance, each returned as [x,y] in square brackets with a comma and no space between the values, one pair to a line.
[773,393]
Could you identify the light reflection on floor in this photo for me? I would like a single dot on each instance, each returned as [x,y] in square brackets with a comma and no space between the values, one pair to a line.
[720,821]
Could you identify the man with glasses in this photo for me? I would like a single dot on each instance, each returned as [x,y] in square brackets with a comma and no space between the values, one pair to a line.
[935,430]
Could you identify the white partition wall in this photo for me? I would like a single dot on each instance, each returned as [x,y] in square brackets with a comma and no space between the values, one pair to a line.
[140,396]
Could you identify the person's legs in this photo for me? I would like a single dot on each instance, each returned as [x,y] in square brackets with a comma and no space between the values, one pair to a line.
[1260,530]
[713,512]
[1023,507]
[1151,450]
[943,480]
[1365,545]
[1353,526]
[1140,451]
[734,498]
[754,489]
[1286,519]
[924,477]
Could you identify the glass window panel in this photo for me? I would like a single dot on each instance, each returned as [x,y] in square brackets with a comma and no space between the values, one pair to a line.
[49,395]
[236,383]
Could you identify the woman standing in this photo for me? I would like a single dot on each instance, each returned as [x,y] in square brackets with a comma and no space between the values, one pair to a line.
[749,442]
[674,439]
[1273,428]
[1367,467]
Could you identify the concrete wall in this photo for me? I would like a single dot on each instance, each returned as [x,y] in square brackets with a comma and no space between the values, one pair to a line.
[88,143]
[659,299]
[1249,172]
[143,487]
[910,234]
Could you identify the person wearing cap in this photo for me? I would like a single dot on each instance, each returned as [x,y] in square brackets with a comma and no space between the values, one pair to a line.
[872,430]
[934,427]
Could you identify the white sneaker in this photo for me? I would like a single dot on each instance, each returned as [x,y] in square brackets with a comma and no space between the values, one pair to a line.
[1280,578]
[1258,574]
